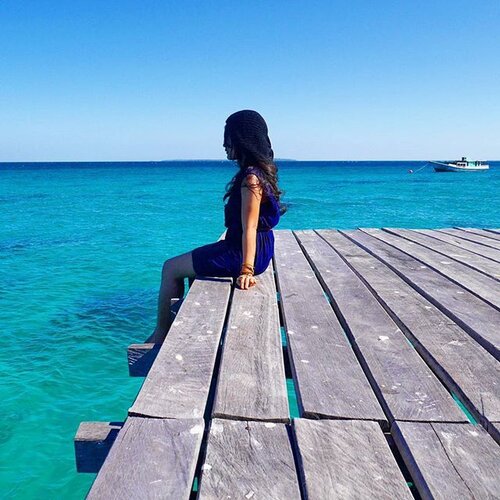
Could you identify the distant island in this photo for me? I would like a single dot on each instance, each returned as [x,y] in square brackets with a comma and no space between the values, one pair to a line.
[205,160]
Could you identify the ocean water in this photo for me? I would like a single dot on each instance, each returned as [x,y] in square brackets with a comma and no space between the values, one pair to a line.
[81,249]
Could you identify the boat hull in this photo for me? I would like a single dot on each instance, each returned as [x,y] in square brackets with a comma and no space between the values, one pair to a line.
[446,167]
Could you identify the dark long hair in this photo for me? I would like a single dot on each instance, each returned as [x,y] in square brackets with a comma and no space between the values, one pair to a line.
[269,176]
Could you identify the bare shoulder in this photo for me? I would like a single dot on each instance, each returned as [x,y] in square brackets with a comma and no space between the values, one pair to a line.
[250,180]
[251,188]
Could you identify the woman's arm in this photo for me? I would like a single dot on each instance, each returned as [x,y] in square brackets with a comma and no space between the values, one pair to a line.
[251,195]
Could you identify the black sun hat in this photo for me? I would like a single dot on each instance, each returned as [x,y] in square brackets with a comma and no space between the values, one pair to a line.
[247,130]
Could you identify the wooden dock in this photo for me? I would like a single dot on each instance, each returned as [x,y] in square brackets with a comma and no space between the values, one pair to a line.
[389,339]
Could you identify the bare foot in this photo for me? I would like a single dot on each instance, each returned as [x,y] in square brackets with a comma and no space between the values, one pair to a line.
[158,335]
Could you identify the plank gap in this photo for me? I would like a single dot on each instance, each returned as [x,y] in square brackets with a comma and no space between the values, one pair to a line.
[350,338]
[402,466]
[194,489]
[464,235]
[201,459]
[291,390]
[215,374]
[284,342]
[286,362]
[471,289]
[299,470]
[485,252]
[210,400]
[417,239]
[464,409]
[451,311]
[278,300]
[319,278]
[446,380]
[293,404]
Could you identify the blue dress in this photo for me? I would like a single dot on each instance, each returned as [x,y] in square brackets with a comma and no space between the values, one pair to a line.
[224,257]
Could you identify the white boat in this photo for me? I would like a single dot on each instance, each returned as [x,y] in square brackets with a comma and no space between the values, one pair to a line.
[463,165]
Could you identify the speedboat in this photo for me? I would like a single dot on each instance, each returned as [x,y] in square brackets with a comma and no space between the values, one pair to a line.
[463,165]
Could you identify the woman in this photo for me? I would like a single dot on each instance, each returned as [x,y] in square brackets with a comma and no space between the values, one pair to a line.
[252,210]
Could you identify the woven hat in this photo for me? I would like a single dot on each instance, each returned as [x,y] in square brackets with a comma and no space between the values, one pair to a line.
[247,130]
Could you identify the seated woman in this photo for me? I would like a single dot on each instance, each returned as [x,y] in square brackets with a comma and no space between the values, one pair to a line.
[253,208]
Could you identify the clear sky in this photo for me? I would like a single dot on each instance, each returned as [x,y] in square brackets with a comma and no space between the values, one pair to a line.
[150,80]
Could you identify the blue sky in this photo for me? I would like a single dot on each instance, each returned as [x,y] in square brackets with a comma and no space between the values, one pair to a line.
[150,80]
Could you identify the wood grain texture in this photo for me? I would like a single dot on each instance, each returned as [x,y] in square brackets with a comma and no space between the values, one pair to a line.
[449,460]
[491,230]
[475,261]
[348,459]
[483,286]
[466,235]
[251,383]
[151,458]
[248,460]
[329,380]
[178,383]
[460,362]
[92,442]
[475,316]
[489,253]
[482,232]
[402,380]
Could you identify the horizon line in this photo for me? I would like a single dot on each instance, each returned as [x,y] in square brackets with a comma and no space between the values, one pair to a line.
[216,160]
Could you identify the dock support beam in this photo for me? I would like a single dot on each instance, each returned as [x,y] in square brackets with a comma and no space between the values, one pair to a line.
[93,441]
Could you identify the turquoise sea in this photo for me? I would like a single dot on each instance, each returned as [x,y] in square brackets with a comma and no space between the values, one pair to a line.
[81,249]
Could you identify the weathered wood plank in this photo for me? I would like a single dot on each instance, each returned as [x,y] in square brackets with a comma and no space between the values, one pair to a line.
[402,380]
[248,460]
[142,356]
[329,380]
[480,240]
[458,360]
[93,441]
[449,460]
[348,459]
[151,458]
[474,315]
[489,253]
[481,232]
[251,384]
[178,383]
[483,286]
[470,259]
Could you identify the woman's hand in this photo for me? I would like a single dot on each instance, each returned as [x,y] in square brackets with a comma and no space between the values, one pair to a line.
[246,281]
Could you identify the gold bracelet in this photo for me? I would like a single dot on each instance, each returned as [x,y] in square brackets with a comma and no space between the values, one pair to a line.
[249,266]
[246,271]
[245,274]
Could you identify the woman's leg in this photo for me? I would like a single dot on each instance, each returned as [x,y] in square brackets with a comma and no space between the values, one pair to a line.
[172,285]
